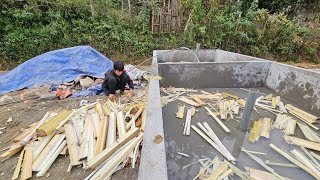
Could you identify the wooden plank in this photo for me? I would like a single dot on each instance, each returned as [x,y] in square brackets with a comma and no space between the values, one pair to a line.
[255,131]
[198,100]
[222,107]
[144,119]
[132,122]
[121,126]
[307,116]
[217,120]
[187,124]
[41,145]
[302,142]
[302,119]
[293,160]
[291,126]
[47,152]
[188,101]
[26,171]
[99,137]
[97,160]
[180,113]
[91,141]
[72,144]
[52,158]
[256,174]
[18,166]
[51,125]
[111,138]
[98,108]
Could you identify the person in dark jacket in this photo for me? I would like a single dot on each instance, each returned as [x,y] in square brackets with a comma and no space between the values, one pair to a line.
[117,79]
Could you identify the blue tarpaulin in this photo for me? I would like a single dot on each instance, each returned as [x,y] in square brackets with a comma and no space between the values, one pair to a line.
[59,66]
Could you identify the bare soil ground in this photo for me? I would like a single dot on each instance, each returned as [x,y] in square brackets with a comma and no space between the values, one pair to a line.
[28,112]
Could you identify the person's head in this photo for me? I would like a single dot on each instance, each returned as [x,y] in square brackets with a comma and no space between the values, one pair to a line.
[118,68]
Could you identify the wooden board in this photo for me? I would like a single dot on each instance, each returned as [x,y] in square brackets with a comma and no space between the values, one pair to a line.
[26,171]
[303,143]
[18,166]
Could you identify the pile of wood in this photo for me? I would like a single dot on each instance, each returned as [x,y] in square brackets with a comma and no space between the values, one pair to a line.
[97,136]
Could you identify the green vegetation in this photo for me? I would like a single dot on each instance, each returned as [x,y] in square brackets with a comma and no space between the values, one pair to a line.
[273,29]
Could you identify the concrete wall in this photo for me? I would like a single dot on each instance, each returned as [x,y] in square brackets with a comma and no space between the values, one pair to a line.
[298,85]
[213,75]
[223,56]
[185,56]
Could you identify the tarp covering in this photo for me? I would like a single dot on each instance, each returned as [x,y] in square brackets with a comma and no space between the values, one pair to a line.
[57,66]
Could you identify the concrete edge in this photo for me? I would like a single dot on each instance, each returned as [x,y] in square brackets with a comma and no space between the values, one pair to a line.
[153,156]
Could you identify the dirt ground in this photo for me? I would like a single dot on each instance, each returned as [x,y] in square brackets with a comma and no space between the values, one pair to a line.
[29,111]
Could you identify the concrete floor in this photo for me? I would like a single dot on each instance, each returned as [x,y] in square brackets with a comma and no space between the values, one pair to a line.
[195,146]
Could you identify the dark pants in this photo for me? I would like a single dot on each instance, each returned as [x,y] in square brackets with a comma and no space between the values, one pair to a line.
[121,83]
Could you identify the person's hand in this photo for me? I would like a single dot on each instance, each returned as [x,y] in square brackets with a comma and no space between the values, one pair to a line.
[130,94]
[112,97]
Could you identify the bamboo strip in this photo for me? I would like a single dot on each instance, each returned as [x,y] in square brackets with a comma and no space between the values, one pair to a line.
[41,145]
[207,129]
[99,137]
[315,155]
[188,101]
[83,153]
[98,108]
[132,122]
[225,174]
[104,134]
[26,171]
[220,170]
[256,174]
[308,133]
[311,157]
[72,144]
[218,120]
[307,116]
[14,149]
[187,123]
[50,161]
[302,142]
[24,134]
[91,141]
[237,171]
[180,112]
[293,160]
[299,117]
[300,157]
[47,152]
[122,155]
[52,124]
[198,100]
[111,138]
[266,127]
[96,161]
[267,162]
[144,118]
[18,166]
[258,160]
[121,126]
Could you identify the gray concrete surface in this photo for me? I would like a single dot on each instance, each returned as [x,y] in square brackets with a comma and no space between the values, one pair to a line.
[223,56]
[153,157]
[206,75]
[300,85]
[197,147]
[185,55]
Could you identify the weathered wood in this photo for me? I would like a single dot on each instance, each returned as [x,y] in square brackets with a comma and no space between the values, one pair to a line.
[220,170]
[293,160]
[198,100]
[97,160]
[305,121]
[120,157]
[121,126]
[18,166]
[188,101]
[51,125]
[111,138]
[302,142]
[300,157]
[47,152]
[41,145]
[255,131]
[222,107]
[218,120]
[291,126]
[72,144]
[14,149]
[104,134]
[50,161]
[308,133]
[26,171]
[180,113]
[266,127]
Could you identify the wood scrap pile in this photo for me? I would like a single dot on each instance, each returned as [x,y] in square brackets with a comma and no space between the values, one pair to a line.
[99,136]
[216,169]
